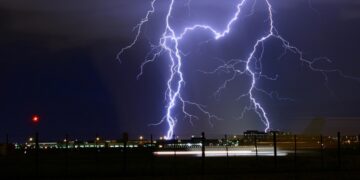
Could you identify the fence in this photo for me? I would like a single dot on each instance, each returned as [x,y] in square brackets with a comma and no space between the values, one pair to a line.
[227,155]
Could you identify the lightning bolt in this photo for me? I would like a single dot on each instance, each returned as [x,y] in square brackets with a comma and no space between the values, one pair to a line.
[169,44]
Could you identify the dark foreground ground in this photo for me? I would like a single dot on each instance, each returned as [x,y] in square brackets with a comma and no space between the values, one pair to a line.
[141,164]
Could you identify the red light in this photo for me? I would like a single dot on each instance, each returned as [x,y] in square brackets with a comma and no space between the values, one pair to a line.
[35,119]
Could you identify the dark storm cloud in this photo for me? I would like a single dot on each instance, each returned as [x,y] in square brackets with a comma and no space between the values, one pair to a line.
[349,8]
[350,2]
[82,21]
[76,22]
[87,20]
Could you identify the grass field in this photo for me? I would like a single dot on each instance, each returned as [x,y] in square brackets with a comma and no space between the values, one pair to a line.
[141,164]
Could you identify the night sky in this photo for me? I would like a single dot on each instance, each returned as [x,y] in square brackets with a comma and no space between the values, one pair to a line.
[58,60]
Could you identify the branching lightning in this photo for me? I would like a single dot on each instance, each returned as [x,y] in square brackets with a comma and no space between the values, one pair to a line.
[169,44]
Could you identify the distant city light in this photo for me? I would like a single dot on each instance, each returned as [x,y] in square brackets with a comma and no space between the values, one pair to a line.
[221,153]
[31,139]
[141,138]
[97,138]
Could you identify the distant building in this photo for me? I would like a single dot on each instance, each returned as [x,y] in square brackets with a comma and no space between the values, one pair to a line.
[254,133]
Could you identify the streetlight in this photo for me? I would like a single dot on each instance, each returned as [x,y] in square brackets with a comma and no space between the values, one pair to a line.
[97,139]
[35,119]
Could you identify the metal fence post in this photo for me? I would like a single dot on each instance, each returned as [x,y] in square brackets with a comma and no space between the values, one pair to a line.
[151,140]
[358,138]
[125,141]
[322,151]
[203,152]
[37,153]
[7,145]
[174,149]
[227,152]
[7,139]
[151,154]
[339,149]
[67,154]
[295,151]
[97,151]
[275,150]
[256,148]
